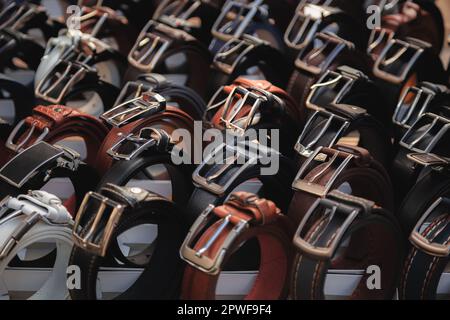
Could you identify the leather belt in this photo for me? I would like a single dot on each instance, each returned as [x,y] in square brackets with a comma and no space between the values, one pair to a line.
[345,168]
[223,230]
[326,51]
[33,218]
[429,134]
[348,125]
[21,97]
[54,124]
[34,167]
[124,208]
[375,240]
[157,42]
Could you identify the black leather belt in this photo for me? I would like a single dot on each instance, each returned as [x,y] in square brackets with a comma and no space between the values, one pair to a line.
[21,96]
[118,209]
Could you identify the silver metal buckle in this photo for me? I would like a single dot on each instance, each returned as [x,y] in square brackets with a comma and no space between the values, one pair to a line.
[428,160]
[327,120]
[305,23]
[148,48]
[196,258]
[85,236]
[432,129]
[378,37]
[14,135]
[392,53]
[235,18]
[418,106]
[330,157]
[425,243]
[144,105]
[331,47]
[60,80]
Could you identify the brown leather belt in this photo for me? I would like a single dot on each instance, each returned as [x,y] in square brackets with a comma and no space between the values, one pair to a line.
[243,217]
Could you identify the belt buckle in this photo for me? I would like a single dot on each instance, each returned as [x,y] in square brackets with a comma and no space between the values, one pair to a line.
[143,105]
[105,208]
[337,158]
[425,243]
[196,258]
[305,24]
[329,209]
[55,85]
[235,18]
[425,133]
[15,14]
[148,48]
[233,51]
[13,145]
[331,47]
[139,143]
[378,36]
[392,53]
[177,13]
[429,160]
[418,106]
[7,40]
[329,81]
[327,120]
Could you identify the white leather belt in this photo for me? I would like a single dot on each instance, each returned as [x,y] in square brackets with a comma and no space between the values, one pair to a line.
[38,217]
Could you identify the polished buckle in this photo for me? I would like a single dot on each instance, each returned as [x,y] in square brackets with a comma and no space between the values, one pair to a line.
[140,107]
[407,113]
[305,23]
[233,51]
[338,158]
[379,37]
[394,53]
[148,48]
[328,210]
[426,243]
[106,213]
[325,120]
[134,144]
[16,133]
[331,47]
[196,258]
[426,133]
[235,18]
[60,80]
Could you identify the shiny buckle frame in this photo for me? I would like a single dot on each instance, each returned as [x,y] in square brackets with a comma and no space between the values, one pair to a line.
[422,99]
[239,47]
[378,36]
[307,150]
[383,60]
[72,72]
[196,258]
[331,156]
[242,18]
[306,56]
[433,121]
[85,241]
[428,160]
[144,105]
[308,28]
[158,45]
[143,141]
[423,243]
[11,143]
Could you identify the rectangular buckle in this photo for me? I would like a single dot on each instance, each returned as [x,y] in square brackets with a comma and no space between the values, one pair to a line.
[233,51]
[144,105]
[393,55]
[310,57]
[133,145]
[235,18]
[425,243]
[328,210]
[304,24]
[413,103]
[196,258]
[148,48]
[428,160]
[329,89]
[60,80]
[379,38]
[11,142]
[105,210]
[336,158]
[177,13]
[310,139]
[426,133]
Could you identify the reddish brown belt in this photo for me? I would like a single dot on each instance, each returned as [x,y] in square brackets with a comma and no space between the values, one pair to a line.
[243,217]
